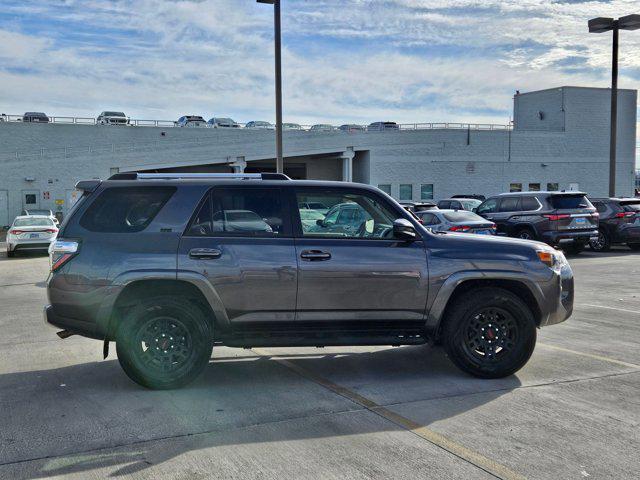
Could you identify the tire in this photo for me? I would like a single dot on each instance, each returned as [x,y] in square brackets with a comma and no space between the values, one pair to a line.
[180,333]
[634,246]
[10,254]
[525,234]
[467,344]
[602,244]
[575,248]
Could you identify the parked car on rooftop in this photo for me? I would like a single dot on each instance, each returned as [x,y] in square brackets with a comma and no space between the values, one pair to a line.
[260,125]
[222,122]
[291,126]
[351,127]
[461,221]
[191,121]
[35,117]
[322,127]
[112,118]
[619,223]
[380,126]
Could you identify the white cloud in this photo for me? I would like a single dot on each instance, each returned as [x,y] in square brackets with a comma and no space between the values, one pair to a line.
[344,60]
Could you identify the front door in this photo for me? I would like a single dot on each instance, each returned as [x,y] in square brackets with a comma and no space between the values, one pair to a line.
[240,241]
[356,272]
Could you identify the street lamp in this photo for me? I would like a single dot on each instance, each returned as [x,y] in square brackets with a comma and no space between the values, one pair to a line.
[600,25]
[276,27]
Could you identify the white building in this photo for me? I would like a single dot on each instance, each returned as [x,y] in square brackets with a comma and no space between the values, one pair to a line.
[559,140]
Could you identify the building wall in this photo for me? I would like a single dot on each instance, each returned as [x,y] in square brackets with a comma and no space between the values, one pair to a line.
[568,145]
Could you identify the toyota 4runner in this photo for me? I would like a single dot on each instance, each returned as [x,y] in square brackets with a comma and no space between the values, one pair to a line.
[169,265]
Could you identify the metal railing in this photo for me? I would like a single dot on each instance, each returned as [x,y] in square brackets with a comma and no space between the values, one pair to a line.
[351,128]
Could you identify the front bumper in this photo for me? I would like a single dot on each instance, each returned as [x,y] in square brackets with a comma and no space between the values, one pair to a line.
[559,295]
[556,237]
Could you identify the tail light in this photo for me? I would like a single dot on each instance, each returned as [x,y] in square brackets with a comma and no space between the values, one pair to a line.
[459,228]
[61,251]
[16,232]
[555,217]
[625,214]
[51,230]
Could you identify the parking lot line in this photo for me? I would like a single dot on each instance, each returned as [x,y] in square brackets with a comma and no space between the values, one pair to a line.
[589,355]
[488,465]
[611,308]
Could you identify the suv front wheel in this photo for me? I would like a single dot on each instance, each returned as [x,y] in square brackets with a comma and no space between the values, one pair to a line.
[490,333]
[164,342]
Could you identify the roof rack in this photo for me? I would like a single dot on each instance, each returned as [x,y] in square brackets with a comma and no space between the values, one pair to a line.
[177,175]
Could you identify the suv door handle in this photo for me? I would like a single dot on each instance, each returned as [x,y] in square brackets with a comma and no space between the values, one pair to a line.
[205,253]
[315,255]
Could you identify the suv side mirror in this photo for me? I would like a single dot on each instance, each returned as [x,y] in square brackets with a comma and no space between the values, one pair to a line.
[403,229]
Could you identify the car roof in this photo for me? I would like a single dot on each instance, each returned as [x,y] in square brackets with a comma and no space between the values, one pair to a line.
[615,199]
[541,192]
[460,198]
[32,216]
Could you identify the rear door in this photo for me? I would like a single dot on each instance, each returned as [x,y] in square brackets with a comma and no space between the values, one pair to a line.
[572,212]
[240,240]
[360,275]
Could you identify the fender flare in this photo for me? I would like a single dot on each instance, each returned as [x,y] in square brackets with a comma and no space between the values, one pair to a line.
[444,294]
[119,284]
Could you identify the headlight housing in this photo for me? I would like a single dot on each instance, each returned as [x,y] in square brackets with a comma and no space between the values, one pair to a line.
[554,259]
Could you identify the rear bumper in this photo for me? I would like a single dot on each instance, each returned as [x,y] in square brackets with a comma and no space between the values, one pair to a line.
[87,329]
[556,237]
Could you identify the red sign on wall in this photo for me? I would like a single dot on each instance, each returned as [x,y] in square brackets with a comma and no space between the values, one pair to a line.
[45,195]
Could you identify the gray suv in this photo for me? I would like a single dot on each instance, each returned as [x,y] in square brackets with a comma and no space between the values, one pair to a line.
[165,266]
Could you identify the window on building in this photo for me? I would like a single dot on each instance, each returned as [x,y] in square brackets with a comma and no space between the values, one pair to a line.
[385,187]
[406,191]
[553,187]
[534,187]
[30,199]
[114,170]
[515,187]
[426,191]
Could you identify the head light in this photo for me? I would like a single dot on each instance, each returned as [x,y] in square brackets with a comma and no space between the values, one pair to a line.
[553,259]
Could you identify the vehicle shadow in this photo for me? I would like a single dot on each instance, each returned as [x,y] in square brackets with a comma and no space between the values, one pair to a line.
[91,416]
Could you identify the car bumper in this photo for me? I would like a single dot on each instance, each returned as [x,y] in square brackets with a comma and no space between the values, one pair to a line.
[567,236]
[559,294]
[14,244]
[73,325]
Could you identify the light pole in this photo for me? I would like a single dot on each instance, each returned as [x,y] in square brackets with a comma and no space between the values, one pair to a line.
[278,62]
[600,25]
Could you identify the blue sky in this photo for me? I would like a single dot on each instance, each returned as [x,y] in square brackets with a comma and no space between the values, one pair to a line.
[343,60]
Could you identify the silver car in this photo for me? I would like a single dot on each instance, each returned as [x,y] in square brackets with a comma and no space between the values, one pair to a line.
[112,118]
[259,125]
[461,221]
[30,232]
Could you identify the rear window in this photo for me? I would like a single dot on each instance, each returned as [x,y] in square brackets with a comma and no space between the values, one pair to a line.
[462,216]
[569,202]
[125,209]
[33,222]
[633,206]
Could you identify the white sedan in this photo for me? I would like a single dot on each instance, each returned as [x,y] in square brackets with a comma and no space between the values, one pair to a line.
[30,232]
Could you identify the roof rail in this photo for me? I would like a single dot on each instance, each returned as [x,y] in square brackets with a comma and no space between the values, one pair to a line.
[177,175]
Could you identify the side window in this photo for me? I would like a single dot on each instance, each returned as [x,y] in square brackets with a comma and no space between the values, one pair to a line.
[241,212]
[444,204]
[488,206]
[430,219]
[600,207]
[528,204]
[350,215]
[456,205]
[510,204]
[125,209]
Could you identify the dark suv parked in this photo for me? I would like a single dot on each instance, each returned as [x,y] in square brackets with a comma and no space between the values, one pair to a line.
[619,223]
[156,263]
[564,219]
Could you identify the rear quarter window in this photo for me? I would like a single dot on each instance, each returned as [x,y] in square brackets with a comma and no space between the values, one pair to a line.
[125,209]
[570,202]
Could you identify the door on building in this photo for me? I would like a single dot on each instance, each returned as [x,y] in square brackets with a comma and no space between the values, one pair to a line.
[4,208]
[30,199]
[574,187]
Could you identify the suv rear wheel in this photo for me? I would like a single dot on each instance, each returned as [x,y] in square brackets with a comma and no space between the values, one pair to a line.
[634,246]
[490,333]
[525,234]
[602,243]
[164,342]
